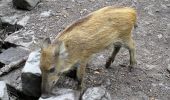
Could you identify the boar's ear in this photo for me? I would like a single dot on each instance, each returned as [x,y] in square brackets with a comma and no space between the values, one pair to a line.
[46,43]
[60,49]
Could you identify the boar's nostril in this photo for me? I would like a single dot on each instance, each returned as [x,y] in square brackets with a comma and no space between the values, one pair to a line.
[44,96]
[54,82]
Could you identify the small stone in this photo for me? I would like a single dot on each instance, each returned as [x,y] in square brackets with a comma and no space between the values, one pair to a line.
[168,5]
[46,14]
[160,36]
[149,67]
[107,83]
[65,13]
[31,75]
[64,94]
[83,11]
[96,72]
[92,0]
[3,91]
[168,68]
[96,93]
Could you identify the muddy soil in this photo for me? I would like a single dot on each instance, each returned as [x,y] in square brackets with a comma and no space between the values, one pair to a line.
[150,78]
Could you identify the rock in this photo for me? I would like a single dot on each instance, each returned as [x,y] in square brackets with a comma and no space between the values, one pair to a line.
[64,94]
[23,21]
[107,83]
[13,54]
[9,20]
[9,23]
[25,4]
[12,58]
[46,14]
[3,91]
[168,68]
[83,11]
[25,38]
[65,13]
[31,75]
[96,93]
[160,36]
[92,0]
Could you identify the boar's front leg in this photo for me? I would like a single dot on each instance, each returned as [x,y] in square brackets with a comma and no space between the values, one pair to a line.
[80,74]
[112,57]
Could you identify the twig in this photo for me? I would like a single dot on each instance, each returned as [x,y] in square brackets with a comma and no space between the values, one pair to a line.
[7,68]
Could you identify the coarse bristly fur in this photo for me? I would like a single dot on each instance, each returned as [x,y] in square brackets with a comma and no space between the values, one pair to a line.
[89,35]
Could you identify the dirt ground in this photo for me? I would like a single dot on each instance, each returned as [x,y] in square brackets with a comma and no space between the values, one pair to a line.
[150,78]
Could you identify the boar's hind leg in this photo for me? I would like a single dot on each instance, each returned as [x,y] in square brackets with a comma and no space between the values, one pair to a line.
[131,48]
[112,57]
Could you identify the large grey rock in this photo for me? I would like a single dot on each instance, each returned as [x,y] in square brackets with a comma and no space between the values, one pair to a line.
[25,38]
[25,4]
[3,91]
[96,93]
[12,58]
[13,54]
[31,75]
[13,23]
[64,94]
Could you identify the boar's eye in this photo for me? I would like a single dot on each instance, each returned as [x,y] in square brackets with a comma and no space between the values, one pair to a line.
[51,70]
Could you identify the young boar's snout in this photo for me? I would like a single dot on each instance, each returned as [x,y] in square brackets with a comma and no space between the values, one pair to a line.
[45,86]
[45,89]
[48,83]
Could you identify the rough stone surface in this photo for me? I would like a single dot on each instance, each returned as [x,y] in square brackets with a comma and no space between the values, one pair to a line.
[3,91]
[31,84]
[96,93]
[32,63]
[9,20]
[25,4]
[25,38]
[23,21]
[31,75]
[64,94]
[9,23]
[13,54]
